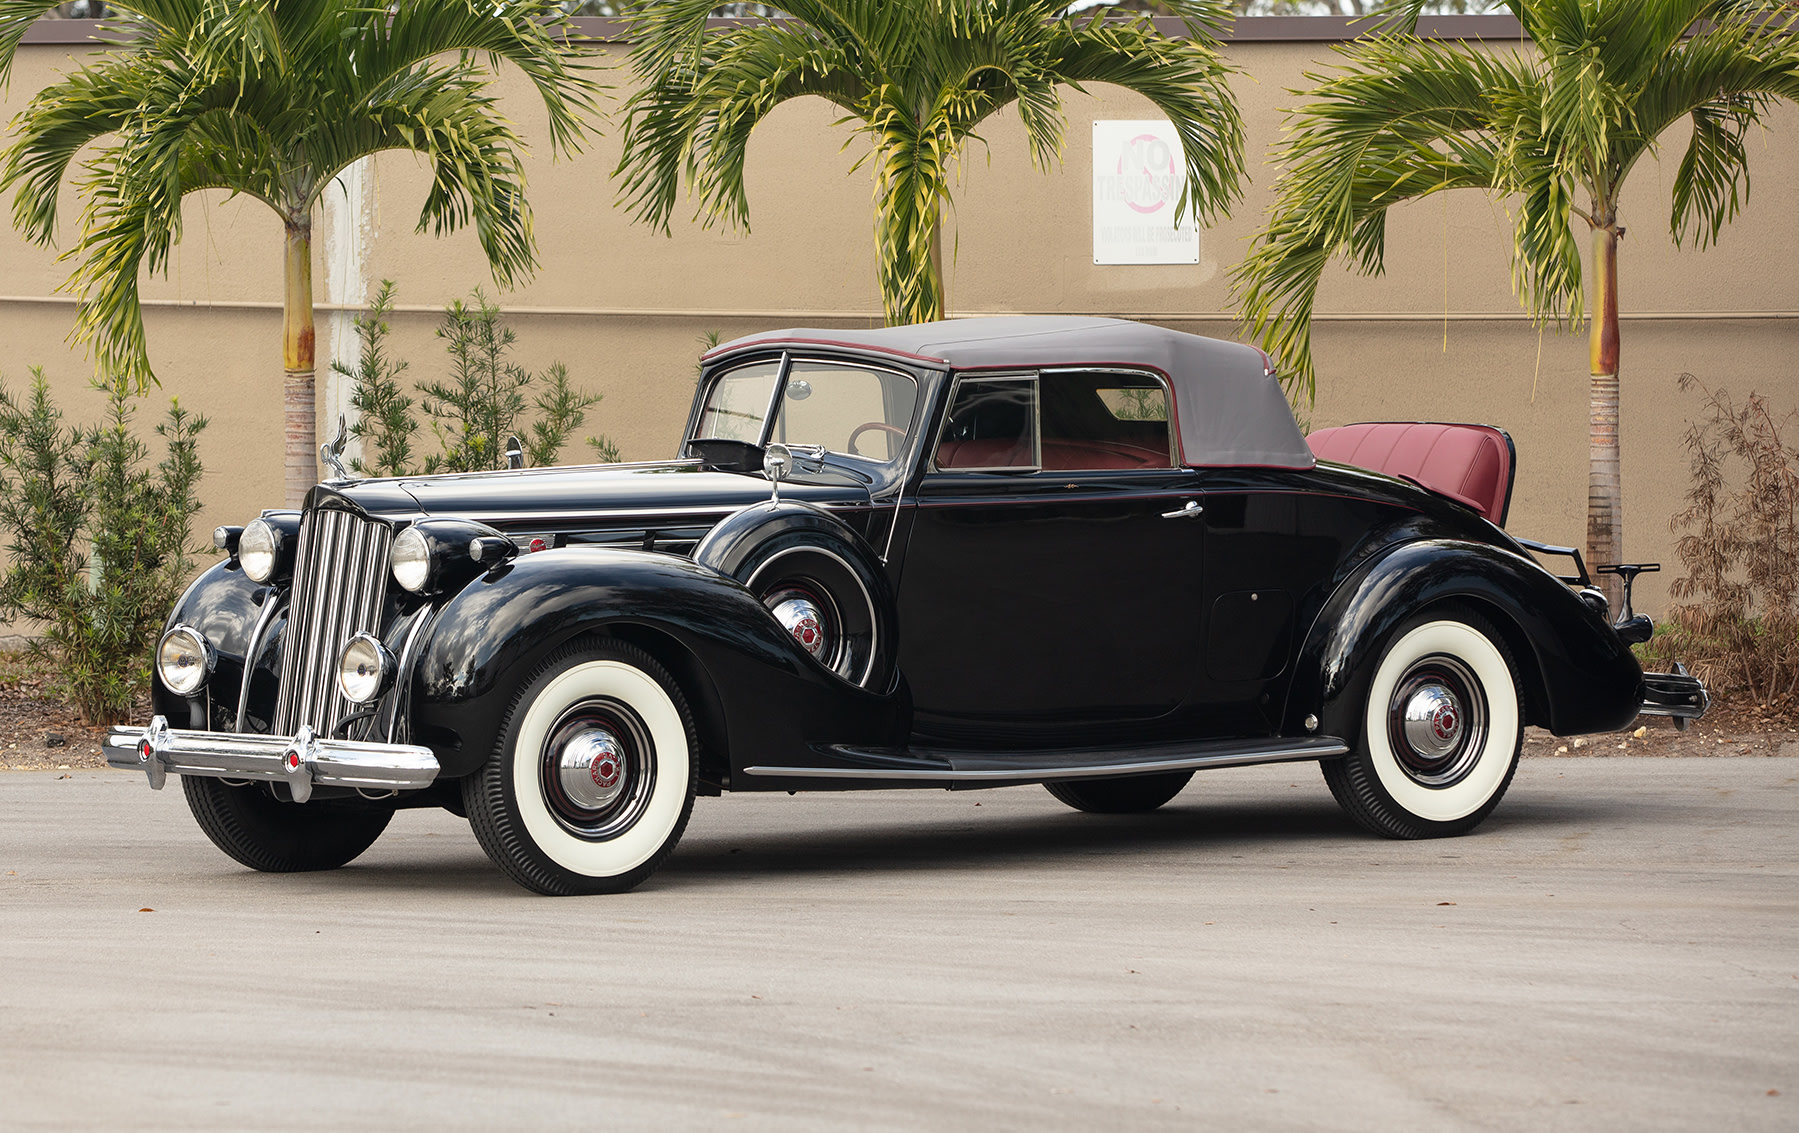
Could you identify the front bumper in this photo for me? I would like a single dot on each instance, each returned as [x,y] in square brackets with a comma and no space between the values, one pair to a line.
[301,761]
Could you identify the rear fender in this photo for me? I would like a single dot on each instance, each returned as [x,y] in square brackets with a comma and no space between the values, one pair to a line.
[762,694]
[1576,675]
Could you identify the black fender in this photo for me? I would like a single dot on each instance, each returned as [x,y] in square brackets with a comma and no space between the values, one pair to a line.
[755,693]
[740,543]
[224,604]
[1576,675]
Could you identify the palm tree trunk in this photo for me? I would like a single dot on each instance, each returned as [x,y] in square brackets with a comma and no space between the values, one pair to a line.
[299,430]
[1605,502]
[937,261]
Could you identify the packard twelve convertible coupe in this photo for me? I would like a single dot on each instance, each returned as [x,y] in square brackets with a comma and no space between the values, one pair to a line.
[1087,553]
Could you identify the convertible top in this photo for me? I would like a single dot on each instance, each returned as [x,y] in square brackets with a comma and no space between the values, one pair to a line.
[1230,408]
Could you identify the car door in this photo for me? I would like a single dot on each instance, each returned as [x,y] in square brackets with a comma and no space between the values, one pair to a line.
[1052,593]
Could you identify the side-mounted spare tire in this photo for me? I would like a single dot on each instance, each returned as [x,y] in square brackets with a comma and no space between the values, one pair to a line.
[819,579]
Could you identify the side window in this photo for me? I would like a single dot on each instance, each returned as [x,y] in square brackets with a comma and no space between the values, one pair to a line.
[738,404]
[1097,419]
[848,409]
[992,425]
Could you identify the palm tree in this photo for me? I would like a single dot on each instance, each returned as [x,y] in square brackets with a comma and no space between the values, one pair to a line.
[916,78]
[1556,133]
[273,99]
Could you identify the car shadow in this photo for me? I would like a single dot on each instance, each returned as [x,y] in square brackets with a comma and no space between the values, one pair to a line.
[960,841]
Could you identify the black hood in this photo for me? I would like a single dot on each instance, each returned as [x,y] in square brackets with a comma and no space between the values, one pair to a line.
[574,498]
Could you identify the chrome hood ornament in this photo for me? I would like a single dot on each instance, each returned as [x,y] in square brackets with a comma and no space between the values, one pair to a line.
[332,453]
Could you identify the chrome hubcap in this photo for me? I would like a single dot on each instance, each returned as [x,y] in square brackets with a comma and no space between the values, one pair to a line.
[802,618]
[1433,720]
[598,769]
[1437,722]
[591,767]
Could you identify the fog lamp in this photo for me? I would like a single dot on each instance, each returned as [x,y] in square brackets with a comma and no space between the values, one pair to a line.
[364,669]
[184,660]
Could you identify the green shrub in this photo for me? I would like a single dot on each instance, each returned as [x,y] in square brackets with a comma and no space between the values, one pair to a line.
[472,412]
[97,540]
[1738,622]
[384,420]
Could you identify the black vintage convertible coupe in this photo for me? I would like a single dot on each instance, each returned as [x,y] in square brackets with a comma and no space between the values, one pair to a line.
[1086,553]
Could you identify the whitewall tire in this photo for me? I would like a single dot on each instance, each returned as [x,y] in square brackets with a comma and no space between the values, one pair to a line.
[1440,733]
[593,780]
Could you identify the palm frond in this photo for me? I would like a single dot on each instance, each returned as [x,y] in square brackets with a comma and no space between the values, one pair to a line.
[1723,81]
[272,98]
[1405,118]
[1187,81]
[15,17]
[53,127]
[917,78]
[695,121]
[521,32]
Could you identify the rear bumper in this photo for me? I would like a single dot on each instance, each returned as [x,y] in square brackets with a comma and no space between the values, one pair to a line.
[301,761]
[1678,694]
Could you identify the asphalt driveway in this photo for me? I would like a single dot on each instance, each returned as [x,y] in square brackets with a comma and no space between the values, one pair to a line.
[1618,948]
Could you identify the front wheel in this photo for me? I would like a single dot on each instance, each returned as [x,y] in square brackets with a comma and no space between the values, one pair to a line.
[593,780]
[276,836]
[1441,731]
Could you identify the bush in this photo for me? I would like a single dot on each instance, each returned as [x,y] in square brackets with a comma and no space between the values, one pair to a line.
[472,412]
[384,420]
[98,541]
[1738,624]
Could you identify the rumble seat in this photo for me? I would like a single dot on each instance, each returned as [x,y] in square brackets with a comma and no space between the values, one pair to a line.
[1471,464]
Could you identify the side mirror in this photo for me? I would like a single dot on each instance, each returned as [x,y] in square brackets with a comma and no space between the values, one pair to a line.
[777,462]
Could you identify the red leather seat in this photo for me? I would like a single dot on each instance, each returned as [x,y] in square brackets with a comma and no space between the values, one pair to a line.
[1471,464]
[1087,456]
[998,452]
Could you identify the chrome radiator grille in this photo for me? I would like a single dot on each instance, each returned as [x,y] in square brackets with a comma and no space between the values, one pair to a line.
[340,586]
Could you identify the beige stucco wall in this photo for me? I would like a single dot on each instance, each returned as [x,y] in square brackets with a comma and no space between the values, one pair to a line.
[624,306]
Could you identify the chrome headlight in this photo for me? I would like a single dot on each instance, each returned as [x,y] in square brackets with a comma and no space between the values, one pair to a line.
[184,660]
[411,559]
[259,550]
[364,669]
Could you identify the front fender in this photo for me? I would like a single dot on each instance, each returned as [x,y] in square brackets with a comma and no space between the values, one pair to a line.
[1576,675]
[224,605]
[755,692]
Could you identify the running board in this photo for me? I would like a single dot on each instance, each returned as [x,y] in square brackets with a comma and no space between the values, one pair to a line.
[943,765]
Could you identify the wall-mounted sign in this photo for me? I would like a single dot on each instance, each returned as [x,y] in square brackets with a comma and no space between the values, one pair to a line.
[1138,176]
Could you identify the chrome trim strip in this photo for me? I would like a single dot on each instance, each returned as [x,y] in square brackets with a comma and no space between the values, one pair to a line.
[402,689]
[1024,774]
[272,604]
[321,762]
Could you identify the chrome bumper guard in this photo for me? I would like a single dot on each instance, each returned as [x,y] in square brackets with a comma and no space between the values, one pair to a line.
[302,761]
[1678,694]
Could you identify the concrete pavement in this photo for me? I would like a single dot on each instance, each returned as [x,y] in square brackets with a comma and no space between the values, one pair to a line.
[1617,948]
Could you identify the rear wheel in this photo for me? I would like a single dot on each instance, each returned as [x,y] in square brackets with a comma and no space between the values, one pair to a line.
[276,836]
[1441,731]
[1135,795]
[593,780]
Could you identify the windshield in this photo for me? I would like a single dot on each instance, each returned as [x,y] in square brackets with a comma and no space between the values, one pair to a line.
[739,404]
[856,410]
[846,408]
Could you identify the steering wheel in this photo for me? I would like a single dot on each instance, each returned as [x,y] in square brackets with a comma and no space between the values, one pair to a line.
[865,427]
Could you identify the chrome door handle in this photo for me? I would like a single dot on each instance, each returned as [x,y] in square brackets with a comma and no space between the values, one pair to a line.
[1190,511]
